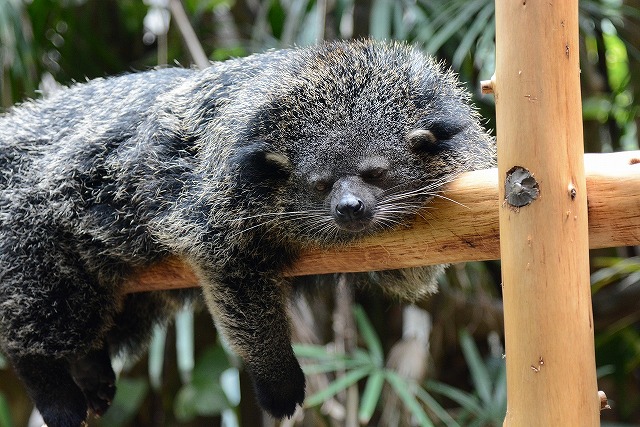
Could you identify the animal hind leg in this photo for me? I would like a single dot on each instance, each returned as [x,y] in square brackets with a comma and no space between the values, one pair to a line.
[49,384]
[48,322]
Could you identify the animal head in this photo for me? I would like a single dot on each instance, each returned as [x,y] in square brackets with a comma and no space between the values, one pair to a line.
[353,138]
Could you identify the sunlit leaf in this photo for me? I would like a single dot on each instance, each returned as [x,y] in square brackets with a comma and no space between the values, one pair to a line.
[184,343]
[479,373]
[402,389]
[156,357]
[370,396]
[337,386]
[369,335]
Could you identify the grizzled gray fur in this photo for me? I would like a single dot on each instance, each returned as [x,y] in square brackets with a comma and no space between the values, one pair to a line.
[235,169]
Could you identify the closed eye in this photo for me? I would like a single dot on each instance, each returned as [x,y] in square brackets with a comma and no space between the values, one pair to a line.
[374,174]
[321,185]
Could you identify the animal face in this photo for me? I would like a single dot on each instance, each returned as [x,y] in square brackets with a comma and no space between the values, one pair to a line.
[347,151]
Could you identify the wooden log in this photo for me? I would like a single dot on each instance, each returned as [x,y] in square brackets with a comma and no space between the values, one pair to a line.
[548,322]
[449,232]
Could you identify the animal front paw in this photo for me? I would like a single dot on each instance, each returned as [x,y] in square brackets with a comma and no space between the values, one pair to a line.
[67,413]
[99,396]
[280,395]
[96,379]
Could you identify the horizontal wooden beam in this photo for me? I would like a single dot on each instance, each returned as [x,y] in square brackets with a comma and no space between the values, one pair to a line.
[463,227]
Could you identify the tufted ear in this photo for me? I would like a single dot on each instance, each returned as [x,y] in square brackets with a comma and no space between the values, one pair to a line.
[258,164]
[422,141]
[435,137]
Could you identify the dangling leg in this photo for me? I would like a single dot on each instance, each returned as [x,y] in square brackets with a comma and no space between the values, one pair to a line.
[51,316]
[130,333]
[50,386]
[252,316]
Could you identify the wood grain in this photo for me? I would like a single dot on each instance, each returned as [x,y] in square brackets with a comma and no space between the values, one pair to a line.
[544,246]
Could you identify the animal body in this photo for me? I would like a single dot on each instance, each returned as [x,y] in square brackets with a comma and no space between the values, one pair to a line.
[235,169]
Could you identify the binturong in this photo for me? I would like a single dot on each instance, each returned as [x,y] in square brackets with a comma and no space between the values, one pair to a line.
[234,169]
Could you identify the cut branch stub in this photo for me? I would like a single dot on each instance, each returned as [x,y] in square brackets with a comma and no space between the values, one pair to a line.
[521,188]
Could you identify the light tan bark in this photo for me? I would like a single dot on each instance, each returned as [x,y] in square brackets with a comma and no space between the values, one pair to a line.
[551,378]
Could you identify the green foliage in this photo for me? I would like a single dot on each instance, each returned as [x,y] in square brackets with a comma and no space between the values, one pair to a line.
[607,50]
[204,395]
[614,269]
[485,406]
[488,404]
[126,404]
[5,413]
[16,53]
[367,363]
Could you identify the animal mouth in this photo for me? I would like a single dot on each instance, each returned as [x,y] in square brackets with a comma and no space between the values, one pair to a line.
[354,226]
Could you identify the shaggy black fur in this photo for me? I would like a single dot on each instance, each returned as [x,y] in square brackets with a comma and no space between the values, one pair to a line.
[234,169]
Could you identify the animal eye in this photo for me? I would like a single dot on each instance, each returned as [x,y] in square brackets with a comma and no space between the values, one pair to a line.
[321,186]
[375,173]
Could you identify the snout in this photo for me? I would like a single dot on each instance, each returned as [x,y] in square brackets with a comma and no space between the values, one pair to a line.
[352,213]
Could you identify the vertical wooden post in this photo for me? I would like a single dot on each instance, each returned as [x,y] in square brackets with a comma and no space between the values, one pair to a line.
[543,216]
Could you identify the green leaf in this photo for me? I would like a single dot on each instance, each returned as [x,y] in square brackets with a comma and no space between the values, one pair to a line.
[337,386]
[472,33]
[479,373]
[436,407]
[156,356]
[184,343]
[332,366]
[603,371]
[5,413]
[210,365]
[370,396]
[402,388]
[205,394]
[380,19]
[461,14]
[192,401]
[318,352]
[130,394]
[462,398]
[500,387]
[369,336]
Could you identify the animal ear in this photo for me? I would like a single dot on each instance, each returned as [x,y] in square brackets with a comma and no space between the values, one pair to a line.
[258,163]
[422,141]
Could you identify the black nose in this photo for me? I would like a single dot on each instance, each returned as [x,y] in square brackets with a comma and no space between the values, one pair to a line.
[350,207]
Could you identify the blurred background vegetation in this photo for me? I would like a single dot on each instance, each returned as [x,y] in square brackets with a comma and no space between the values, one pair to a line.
[369,360]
